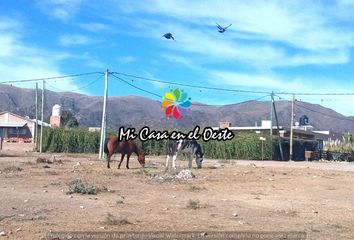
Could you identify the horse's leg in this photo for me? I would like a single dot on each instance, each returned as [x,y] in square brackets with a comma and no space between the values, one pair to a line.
[167,160]
[128,156]
[190,159]
[109,155]
[121,160]
[174,161]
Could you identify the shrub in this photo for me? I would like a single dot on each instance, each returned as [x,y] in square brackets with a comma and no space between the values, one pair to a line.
[242,146]
[192,204]
[116,220]
[70,140]
[76,186]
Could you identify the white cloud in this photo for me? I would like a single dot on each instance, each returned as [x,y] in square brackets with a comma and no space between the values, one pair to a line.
[155,84]
[302,23]
[74,39]
[126,59]
[280,84]
[217,47]
[94,27]
[272,33]
[62,10]
[179,59]
[20,61]
[272,81]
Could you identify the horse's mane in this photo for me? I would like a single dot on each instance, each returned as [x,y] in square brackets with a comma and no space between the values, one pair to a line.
[199,148]
[137,149]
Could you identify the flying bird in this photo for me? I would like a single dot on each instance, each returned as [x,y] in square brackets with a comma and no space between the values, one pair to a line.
[169,36]
[222,29]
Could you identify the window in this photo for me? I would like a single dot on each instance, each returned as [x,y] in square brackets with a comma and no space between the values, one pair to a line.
[12,131]
[23,131]
[19,131]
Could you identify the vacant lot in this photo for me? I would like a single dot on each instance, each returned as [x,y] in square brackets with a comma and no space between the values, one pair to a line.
[225,195]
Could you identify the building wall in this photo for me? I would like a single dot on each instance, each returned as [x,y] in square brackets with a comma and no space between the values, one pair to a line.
[28,130]
[225,124]
[55,121]
[4,117]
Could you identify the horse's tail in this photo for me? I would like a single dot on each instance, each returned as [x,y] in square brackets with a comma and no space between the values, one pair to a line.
[105,149]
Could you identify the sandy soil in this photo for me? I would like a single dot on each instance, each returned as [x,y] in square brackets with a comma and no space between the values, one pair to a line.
[230,196]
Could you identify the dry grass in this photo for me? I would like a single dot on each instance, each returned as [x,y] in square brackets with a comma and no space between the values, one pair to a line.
[12,168]
[116,220]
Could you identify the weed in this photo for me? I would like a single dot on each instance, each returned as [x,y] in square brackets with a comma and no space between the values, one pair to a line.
[12,169]
[76,186]
[192,204]
[116,220]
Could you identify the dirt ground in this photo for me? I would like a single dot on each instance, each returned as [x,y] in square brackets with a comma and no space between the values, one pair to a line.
[317,198]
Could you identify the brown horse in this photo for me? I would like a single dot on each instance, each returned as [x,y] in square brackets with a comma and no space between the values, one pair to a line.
[112,145]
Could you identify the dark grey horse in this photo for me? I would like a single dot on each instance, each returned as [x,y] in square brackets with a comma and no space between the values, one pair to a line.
[191,147]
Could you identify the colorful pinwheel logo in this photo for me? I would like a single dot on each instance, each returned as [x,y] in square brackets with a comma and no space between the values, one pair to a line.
[176,104]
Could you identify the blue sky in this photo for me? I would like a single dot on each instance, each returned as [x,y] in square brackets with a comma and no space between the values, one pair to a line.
[281,46]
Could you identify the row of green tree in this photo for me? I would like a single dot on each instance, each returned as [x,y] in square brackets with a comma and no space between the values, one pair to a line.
[242,146]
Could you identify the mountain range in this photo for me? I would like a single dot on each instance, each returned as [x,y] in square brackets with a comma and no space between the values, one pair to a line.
[136,111]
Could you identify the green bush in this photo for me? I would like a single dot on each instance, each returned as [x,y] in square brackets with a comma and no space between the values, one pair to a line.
[242,146]
[70,140]
[76,186]
[192,204]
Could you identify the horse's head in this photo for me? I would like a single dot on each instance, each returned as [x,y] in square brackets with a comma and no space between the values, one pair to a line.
[199,159]
[141,158]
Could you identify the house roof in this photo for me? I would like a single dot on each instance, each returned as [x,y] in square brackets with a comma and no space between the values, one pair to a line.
[25,118]
[12,124]
[250,128]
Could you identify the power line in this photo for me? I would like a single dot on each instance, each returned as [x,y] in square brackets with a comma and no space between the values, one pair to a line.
[77,89]
[231,90]
[317,94]
[159,96]
[257,99]
[325,114]
[191,85]
[281,98]
[299,104]
[180,84]
[141,89]
[51,78]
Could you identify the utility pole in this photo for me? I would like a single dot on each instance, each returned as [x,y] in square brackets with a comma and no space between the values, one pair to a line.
[271,116]
[291,127]
[103,126]
[276,119]
[42,118]
[36,130]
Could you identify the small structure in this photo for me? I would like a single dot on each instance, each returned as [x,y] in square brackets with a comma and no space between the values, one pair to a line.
[264,128]
[224,124]
[94,129]
[15,128]
[55,119]
[303,124]
[305,138]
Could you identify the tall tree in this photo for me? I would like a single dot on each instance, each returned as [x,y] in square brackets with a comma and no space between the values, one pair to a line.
[68,120]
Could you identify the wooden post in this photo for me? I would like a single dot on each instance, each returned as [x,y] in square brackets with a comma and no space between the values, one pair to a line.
[42,118]
[104,122]
[36,129]
[271,116]
[291,128]
[277,122]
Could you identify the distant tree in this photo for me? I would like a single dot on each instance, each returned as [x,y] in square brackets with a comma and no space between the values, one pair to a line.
[68,120]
